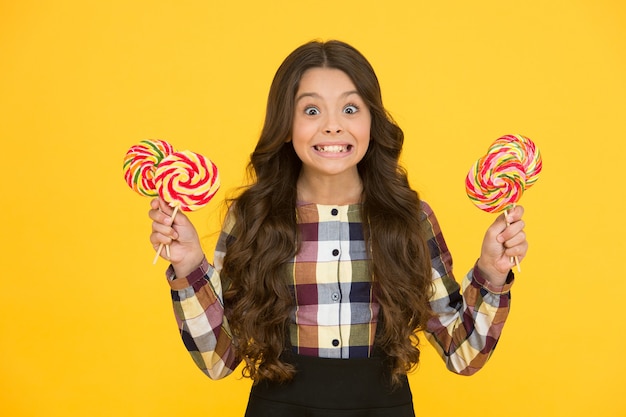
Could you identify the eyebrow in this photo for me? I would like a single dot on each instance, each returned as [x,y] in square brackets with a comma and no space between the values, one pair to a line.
[315,95]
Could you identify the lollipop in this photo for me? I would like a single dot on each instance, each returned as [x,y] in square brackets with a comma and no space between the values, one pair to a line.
[497,180]
[140,164]
[526,152]
[186,181]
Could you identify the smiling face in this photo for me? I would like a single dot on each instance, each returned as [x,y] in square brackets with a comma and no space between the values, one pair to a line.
[331,125]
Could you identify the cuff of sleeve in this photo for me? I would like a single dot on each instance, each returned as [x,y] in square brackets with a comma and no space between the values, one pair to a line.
[179,283]
[480,279]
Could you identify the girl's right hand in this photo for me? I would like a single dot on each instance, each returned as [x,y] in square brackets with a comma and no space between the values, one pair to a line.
[185,250]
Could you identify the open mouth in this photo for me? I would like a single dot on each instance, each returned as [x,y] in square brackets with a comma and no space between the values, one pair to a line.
[333,148]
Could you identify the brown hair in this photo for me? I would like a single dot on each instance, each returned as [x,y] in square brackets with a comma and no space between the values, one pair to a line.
[258,299]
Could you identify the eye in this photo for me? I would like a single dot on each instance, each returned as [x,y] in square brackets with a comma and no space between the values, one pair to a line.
[350,109]
[311,111]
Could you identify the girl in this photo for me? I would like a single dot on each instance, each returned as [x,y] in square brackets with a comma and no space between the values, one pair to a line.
[328,264]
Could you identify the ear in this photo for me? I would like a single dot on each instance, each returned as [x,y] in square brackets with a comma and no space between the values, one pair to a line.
[287,140]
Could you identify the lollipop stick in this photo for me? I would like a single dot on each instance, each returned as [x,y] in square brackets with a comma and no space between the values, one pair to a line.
[506,218]
[167,247]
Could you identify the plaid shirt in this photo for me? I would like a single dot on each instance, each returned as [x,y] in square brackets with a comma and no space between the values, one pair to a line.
[335,314]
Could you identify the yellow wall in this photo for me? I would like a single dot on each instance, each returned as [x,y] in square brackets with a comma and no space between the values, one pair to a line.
[85,320]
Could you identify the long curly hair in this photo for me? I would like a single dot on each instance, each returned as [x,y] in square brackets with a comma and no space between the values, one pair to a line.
[258,299]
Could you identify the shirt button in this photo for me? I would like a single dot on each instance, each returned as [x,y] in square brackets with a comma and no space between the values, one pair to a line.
[334,212]
[335,342]
[335,252]
[335,296]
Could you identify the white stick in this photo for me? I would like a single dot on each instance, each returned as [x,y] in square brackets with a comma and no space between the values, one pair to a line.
[506,218]
[167,248]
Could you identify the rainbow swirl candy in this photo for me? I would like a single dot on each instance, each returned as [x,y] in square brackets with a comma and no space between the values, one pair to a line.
[526,152]
[187,180]
[140,165]
[497,180]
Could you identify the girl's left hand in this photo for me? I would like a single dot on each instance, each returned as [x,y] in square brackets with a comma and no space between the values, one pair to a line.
[502,243]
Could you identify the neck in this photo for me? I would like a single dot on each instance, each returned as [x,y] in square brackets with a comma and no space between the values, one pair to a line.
[329,190]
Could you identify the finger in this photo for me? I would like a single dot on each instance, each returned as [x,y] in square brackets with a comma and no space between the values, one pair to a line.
[164,228]
[157,239]
[179,219]
[159,217]
[496,229]
[517,251]
[514,214]
[163,235]
[511,230]
[515,240]
[165,207]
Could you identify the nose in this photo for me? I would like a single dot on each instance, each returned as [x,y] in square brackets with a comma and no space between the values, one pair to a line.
[332,126]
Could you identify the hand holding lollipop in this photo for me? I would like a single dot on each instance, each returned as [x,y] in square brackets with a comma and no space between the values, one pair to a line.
[497,180]
[186,181]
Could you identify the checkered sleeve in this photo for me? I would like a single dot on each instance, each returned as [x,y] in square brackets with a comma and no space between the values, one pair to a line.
[469,318]
[199,311]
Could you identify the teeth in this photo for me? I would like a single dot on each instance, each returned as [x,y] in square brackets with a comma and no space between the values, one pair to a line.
[332,148]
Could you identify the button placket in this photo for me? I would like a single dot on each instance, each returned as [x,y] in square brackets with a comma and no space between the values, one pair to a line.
[335,295]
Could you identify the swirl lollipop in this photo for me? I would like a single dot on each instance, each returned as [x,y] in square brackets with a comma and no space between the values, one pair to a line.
[497,180]
[186,181]
[525,150]
[140,163]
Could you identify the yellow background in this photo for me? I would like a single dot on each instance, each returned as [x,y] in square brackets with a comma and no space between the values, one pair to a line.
[85,321]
